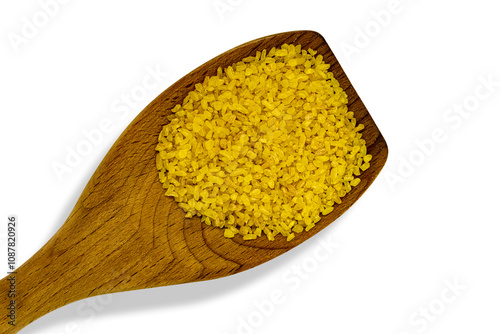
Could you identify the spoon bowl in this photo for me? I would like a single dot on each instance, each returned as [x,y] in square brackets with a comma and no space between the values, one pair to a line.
[125,234]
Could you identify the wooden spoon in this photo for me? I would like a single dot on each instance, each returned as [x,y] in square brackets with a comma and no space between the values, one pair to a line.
[125,234]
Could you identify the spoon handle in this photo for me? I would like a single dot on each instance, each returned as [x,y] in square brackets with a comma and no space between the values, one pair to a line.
[101,249]
[69,267]
[33,290]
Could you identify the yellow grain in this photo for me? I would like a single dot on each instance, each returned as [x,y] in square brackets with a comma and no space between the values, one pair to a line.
[264,147]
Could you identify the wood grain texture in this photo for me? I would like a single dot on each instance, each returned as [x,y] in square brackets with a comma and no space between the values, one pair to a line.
[125,234]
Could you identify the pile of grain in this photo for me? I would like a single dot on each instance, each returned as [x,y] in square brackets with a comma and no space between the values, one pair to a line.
[263,147]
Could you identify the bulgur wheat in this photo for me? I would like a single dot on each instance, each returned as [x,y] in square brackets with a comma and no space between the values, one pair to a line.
[263,147]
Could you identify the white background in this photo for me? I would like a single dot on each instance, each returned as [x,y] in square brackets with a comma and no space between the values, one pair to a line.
[429,220]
